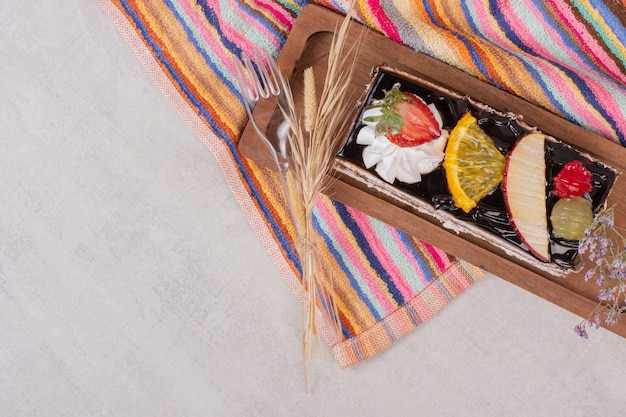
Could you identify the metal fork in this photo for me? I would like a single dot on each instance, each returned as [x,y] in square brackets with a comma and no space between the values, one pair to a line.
[260,80]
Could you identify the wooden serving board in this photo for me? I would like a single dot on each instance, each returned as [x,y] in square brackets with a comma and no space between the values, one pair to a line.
[308,45]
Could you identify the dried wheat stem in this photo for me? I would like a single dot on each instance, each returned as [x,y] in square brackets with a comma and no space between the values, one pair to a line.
[310,100]
[313,143]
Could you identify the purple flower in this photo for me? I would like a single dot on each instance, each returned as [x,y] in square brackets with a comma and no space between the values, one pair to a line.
[580,331]
[583,245]
[604,245]
[596,320]
[590,246]
[606,218]
[600,279]
[611,318]
[618,269]
[600,245]
[606,293]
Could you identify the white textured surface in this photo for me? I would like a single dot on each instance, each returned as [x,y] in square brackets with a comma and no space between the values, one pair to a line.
[131,285]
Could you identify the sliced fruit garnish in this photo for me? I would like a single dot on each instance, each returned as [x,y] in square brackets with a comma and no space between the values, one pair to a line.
[570,217]
[525,193]
[472,162]
[405,119]
[573,180]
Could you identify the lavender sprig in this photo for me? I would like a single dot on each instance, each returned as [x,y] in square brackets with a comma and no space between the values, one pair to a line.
[605,246]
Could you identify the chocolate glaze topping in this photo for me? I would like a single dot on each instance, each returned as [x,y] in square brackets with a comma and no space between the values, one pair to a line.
[505,130]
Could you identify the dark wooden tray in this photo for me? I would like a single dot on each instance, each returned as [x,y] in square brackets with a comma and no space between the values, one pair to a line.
[308,45]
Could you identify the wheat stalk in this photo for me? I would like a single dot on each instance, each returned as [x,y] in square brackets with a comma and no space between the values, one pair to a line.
[310,100]
[313,143]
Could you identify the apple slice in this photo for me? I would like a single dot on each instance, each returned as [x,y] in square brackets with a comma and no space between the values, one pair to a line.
[524,187]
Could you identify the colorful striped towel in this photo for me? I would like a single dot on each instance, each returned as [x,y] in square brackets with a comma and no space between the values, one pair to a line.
[566,56]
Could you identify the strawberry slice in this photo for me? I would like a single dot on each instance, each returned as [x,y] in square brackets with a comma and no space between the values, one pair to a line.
[405,119]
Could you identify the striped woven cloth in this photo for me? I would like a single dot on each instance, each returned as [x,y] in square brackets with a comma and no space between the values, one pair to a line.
[566,56]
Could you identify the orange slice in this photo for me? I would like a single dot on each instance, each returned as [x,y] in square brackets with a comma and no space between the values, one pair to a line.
[472,163]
